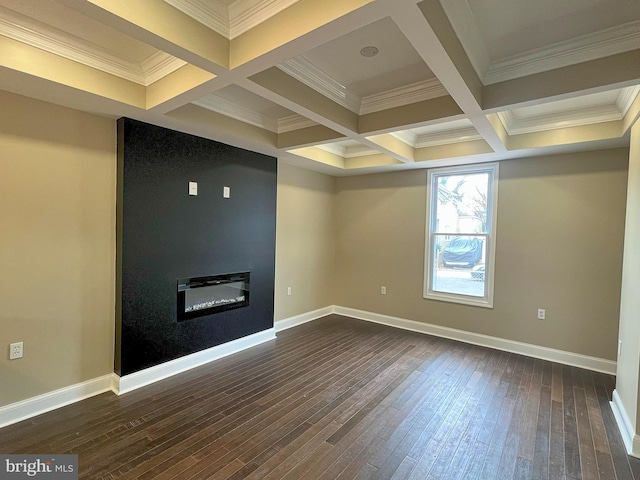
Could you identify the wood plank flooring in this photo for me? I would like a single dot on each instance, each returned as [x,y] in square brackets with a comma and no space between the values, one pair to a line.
[345,399]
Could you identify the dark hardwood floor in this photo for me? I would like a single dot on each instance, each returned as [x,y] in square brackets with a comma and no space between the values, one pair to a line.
[342,398]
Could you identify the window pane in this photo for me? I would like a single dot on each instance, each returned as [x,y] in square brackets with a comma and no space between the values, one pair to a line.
[462,203]
[460,245]
[459,264]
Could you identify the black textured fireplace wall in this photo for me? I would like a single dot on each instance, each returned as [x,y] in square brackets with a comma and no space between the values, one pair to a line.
[163,234]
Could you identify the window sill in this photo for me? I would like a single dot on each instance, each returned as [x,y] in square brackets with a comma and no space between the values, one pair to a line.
[462,300]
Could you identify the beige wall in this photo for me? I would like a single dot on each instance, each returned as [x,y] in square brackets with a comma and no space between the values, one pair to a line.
[304,241]
[57,218]
[559,247]
[628,383]
[560,230]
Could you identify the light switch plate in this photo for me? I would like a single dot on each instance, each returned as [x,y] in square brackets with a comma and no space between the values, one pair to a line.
[226,192]
[193,188]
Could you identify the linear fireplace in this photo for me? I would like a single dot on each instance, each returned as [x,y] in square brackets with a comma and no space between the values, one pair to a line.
[200,296]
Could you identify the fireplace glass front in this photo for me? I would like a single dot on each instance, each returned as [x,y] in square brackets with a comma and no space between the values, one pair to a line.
[200,296]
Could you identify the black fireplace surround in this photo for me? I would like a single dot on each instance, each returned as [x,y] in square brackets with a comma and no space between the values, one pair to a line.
[166,238]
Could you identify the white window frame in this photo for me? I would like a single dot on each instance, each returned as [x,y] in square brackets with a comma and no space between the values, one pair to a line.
[490,237]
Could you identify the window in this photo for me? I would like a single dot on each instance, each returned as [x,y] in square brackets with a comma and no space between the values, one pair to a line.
[461,229]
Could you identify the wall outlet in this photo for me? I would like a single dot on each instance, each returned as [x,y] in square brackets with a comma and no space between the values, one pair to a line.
[383,290]
[542,314]
[15,350]
[288,290]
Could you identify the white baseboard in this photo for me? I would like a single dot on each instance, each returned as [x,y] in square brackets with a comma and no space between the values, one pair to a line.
[629,437]
[31,407]
[536,351]
[281,325]
[153,374]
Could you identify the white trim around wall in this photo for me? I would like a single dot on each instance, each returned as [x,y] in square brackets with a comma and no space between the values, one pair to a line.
[302,318]
[31,407]
[536,351]
[629,437]
[153,374]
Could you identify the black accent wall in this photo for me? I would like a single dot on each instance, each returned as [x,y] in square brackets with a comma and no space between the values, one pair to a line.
[163,234]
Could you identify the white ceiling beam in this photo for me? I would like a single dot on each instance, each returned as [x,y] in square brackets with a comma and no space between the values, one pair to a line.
[162,26]
[458,77]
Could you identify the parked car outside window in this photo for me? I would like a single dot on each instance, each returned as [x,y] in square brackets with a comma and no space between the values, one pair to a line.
[462,252]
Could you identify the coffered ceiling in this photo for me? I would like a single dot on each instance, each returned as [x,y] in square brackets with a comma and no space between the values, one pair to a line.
[341,86]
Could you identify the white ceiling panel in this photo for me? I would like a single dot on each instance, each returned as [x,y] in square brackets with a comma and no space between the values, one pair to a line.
[517,26]
[396,64]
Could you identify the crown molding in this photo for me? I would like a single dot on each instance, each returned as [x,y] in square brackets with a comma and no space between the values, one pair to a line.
[601,44]
[231,22]
[211,14]
[466,29]
[359,151]
[406,136]
[246,14]
[626,98]
[443,137]
[565,119]
[592,46]
[225,107]
[40,36]
[405,95]
[159,65]
[351,151]
[306,72]
[333,148]
[50,40]
[294,122]
[447,137]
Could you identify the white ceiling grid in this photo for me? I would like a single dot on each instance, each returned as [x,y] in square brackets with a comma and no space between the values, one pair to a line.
[456,81]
